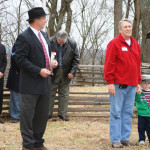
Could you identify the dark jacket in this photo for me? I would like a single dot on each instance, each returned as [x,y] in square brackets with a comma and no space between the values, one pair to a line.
[70,57]
[3,59]
[13,76]
[31,59]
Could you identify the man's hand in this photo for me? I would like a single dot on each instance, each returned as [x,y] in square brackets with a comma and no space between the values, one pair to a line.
[45,73]
[1,75]
[138,89]
[54,63]
[70,75]
[111,89]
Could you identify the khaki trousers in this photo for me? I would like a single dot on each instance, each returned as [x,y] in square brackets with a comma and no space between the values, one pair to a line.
[59,84]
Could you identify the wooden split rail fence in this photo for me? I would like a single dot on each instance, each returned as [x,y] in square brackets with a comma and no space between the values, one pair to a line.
[83,103]
[87,104]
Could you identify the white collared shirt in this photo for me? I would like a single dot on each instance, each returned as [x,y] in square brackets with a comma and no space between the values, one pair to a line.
[45,43]
[129,42]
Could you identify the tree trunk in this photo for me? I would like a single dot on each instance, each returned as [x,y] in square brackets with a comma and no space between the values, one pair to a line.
[69,18]
[145,17]
[128,8]
[117,15]
[57,17]
[19,17]
[53,16]
[136,22]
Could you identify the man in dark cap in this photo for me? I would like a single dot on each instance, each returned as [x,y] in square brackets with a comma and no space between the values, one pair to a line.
[33,57]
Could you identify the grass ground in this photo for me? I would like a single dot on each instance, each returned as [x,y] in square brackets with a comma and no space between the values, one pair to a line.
[77,134]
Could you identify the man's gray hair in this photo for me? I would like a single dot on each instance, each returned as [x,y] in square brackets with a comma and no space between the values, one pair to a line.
[62,35]
[121,21]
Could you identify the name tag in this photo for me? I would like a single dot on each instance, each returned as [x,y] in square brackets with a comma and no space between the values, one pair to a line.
[124,49]
[54,53]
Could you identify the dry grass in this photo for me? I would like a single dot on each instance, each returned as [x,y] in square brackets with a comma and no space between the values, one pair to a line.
[77,134]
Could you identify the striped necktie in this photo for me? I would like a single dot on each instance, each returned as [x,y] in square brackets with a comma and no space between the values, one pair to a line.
[45,52]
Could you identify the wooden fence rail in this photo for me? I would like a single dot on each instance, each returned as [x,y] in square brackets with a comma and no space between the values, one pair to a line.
[91,75]
[83,103]
[93,104]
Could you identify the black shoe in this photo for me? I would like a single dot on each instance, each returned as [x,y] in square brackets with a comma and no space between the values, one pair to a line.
[24,148]
[127,143]
[15,120]
[64,118]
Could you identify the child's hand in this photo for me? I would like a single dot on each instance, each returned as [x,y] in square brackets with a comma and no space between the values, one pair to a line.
[138,89]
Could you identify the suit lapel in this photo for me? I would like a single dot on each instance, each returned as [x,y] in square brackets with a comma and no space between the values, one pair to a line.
[35,39]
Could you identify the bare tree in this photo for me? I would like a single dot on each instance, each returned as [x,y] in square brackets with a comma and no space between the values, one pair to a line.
[93,28]
[117,15]
[19,17]
[145,17]
[128,8]
[59,16]
[136,22]
[2,8]
[13,19]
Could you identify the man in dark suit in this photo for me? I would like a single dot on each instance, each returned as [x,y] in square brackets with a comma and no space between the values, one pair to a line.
[3,64]
[32,56]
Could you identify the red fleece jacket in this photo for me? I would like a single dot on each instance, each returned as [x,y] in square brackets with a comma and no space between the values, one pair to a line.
[122,62]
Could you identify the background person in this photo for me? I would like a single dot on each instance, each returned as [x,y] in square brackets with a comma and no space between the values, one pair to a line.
[32,56]
[122,73]
[67,57]
[143,110]
[3,64]
[13,85]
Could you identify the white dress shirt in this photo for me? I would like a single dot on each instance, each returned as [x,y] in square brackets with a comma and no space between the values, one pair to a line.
[45,43]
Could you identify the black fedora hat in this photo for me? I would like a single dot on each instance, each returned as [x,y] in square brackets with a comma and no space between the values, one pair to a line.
[36,13]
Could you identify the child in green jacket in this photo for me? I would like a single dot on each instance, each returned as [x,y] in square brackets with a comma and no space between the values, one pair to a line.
[143,109]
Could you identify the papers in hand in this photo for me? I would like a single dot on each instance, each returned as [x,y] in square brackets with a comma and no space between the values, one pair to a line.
[53,55]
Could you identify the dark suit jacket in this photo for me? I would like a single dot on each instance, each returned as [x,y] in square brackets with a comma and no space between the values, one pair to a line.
[3,61]
[31,59]
[14,73]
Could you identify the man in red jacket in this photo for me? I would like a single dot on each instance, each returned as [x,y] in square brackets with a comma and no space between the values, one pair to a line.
[122,73]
